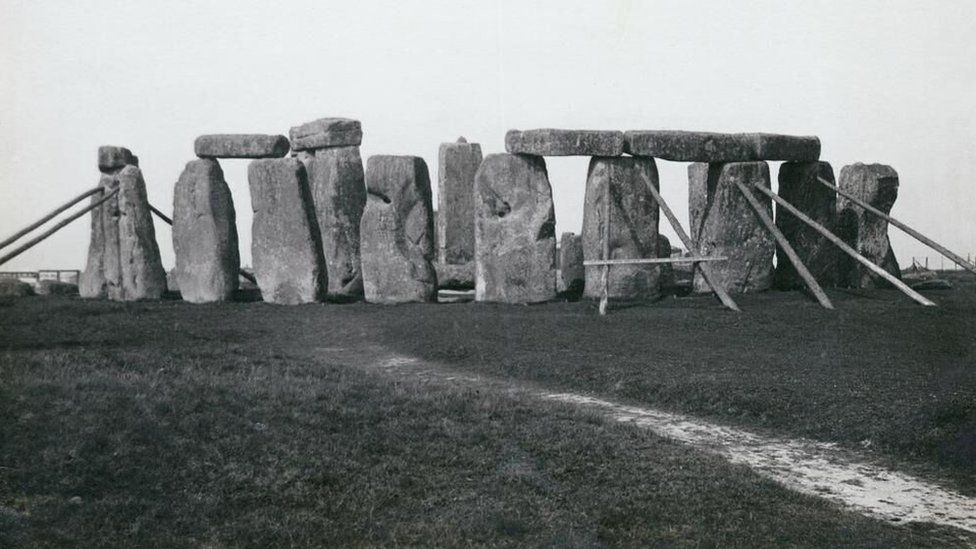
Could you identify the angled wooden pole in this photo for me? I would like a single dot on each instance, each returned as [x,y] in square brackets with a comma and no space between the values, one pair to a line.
[723,296]
[605,271]
[250,278]
[801,269]
[912,232]
[31,243]
[847,249]
[49,216]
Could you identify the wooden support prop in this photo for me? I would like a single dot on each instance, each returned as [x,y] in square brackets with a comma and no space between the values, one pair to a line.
[31,243]
[723,296]
[605,275]
[845,248]
[49,216]
[801,269]
[652,260]
[917,235]
[241,272]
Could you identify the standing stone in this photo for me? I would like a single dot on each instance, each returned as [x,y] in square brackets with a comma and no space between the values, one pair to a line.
[286,246]
[515,230]
[339,193]
[799,186]
[723,224]
[142,273]
[397,231]
[458,163]
[867,233]
[112,255]
[205,234]
[111,158]
[92,283]
[667,269]
[571,273]
[633,226]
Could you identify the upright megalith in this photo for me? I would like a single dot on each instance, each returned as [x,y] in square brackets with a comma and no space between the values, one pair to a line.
[241,145]
[458,163]
[205,234]
[798,185]
[92,283]
[877,185]
[632,226]
[397,231]
[723,224]
[286,247]
[571,272]
[515,224]
[339,195]
[141,273]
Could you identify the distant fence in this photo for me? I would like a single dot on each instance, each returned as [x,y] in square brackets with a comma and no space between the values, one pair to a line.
[939,263]
[62,275]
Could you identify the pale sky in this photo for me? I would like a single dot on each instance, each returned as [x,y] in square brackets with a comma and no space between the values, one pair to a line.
[883,81]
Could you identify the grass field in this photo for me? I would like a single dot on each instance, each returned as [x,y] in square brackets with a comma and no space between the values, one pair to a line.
[227,425]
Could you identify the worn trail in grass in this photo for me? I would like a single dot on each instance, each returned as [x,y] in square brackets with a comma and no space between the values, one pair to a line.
[810,467]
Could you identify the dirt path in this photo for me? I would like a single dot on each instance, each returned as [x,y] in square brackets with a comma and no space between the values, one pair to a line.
[815,468]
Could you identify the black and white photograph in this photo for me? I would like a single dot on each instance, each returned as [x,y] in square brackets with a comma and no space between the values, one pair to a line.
[487,273]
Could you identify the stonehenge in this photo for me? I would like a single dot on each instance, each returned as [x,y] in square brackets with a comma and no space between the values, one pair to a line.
[633,226]
[286,248]
[799,186]
[205,234]
[324,227]
[515,230]
[876,184]
[723,224]
[397,232]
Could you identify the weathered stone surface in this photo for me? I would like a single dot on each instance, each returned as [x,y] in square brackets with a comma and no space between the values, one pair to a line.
[455,276]
[92,283]
[684,146]
[798,185]
[111,158]
[11,287]
[877,185]
[667,269]
[326,132]
[141,271]
[397,231]
[458,162]
[515,224]
[338,187]
[205,234]
[571,274]
[241,145]
[553,142]
[633,221]
[286,247]
[723,224]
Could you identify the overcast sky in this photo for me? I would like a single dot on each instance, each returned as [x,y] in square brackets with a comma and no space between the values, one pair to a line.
[887,81]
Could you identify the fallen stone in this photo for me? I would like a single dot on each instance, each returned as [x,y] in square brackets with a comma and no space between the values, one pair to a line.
[515,239]
[142,274]
[455,276]
[723,224]
[552,142]
[326,132]
[338,187]
[633,226]
[799,186]
[11,287]
[684,146]
[397,231]
[92,283]
[286,247]
[571,273]
[111,158]
[458,163]
[205,234]
[241,145]
[876,184]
